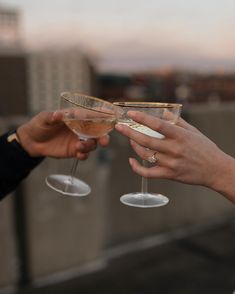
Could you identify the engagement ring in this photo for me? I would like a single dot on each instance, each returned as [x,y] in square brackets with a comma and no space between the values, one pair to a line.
[153,158]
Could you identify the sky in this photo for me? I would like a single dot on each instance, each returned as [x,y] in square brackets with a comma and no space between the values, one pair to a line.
[129,35]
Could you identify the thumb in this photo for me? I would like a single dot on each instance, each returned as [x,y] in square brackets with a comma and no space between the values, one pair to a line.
[55,117]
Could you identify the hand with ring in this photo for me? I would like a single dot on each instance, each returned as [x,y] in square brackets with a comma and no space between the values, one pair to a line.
[184,155]
[152,159]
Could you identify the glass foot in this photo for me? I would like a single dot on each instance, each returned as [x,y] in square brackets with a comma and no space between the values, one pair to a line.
[144,200]
[64,185]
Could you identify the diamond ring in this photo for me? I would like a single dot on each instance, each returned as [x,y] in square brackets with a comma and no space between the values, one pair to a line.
[153,158]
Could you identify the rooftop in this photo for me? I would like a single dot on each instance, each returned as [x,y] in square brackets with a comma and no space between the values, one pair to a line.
[201,263]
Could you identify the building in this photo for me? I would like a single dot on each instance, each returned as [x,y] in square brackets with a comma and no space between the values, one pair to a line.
[170,86]
[13,78]
[52,72]
[113,87]
[32,81]
[10,36]
[13,85]
[212,88]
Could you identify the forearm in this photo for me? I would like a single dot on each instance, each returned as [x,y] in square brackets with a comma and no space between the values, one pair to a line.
[15,164]
[225,181]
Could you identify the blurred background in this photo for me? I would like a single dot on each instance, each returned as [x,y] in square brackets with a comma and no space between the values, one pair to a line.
[170,51]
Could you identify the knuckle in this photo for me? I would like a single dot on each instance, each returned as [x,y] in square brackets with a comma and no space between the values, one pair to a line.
[178,150]
[173,164]
[183,137]
[159,126]
[145,141]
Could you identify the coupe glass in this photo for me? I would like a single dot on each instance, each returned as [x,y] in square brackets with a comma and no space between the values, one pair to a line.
[166,111]
[88,117]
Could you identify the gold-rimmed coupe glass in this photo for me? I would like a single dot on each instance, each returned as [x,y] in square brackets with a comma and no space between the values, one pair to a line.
[169,112]
[88,117]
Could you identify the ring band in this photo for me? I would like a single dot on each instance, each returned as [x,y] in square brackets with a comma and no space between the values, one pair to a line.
[153,158]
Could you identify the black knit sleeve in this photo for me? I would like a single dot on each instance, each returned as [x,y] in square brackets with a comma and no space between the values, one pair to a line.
[15,164]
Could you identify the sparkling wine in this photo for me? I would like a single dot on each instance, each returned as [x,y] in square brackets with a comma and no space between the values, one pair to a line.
[142,129]
[91,128]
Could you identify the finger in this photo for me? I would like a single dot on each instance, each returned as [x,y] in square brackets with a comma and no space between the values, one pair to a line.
[141,139]
[183,124]
[82,156]
[156,172]
[104,141]
[54,117]
[86,146]
[163,127]
[162,159]
[142,152]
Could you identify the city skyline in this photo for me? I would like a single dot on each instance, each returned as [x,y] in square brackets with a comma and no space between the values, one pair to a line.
[131,35]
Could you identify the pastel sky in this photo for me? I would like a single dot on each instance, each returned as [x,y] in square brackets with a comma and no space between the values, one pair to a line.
[127,35]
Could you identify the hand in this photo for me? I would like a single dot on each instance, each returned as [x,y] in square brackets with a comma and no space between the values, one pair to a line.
[184,155]
[47,135]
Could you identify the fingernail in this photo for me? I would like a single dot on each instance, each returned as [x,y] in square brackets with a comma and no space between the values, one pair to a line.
[118,127]
[131,113]
[132,142]
[54,115]
[131,160]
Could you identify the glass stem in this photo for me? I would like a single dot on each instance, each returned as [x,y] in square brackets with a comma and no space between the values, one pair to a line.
[144,181]
[74,166]
[73,170]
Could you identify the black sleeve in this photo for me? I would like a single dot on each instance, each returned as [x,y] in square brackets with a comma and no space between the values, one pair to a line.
[15,165]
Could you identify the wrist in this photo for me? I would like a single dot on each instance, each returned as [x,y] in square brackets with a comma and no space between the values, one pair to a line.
[223,179]
[26,142]
[216,170]
[15,155]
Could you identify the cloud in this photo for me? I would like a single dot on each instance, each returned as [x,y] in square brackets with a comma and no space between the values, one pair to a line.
[130,35]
